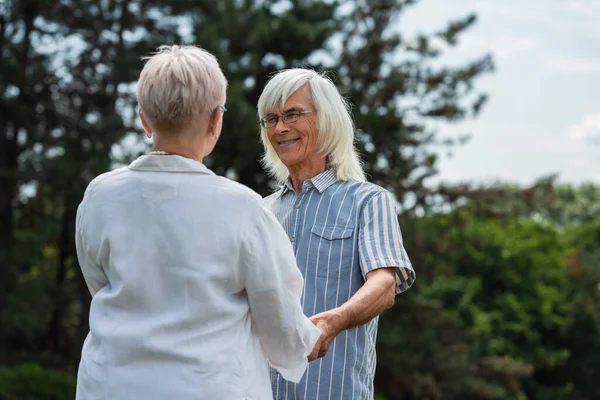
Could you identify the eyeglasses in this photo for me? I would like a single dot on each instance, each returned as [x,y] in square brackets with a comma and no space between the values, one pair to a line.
[287,118]
[223,109]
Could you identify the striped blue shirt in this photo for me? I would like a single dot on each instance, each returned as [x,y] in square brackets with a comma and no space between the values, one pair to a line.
[340,231]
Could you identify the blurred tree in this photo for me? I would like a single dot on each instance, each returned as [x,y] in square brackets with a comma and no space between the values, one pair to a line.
[425,353]
[252,40]
[504,279]
[27,114]
[545,200]
[399,86]
[571,212]
[67,62]
[582,337]
[390,80]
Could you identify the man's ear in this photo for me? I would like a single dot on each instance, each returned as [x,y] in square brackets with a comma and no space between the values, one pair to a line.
[145,124]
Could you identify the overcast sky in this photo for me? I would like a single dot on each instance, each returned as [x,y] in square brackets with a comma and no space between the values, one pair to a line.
[543,115]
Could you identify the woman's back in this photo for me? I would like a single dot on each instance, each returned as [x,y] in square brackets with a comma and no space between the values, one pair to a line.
[172,318]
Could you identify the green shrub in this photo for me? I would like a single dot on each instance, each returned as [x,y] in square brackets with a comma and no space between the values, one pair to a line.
[32,382]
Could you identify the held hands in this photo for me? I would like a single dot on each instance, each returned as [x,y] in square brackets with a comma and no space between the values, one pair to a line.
[331,323]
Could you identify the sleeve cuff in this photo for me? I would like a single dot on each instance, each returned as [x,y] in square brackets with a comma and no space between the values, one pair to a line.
[294,373]
[405,274]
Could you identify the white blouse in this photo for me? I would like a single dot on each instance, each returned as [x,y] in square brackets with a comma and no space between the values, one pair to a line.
[195,287]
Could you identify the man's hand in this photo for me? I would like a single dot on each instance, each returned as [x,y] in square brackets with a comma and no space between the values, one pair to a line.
[331,323]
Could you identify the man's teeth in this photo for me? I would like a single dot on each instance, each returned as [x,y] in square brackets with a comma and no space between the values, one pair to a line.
[287,142]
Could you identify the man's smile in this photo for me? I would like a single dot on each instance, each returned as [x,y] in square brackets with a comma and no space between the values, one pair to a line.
[287,143]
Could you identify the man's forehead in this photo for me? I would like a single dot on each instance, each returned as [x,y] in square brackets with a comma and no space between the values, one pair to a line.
[300,99]
[286,108]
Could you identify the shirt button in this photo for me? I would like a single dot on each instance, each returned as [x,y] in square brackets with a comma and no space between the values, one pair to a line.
[298,205]
[293,239]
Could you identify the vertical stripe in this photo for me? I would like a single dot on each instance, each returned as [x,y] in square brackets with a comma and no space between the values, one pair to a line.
[316,274]
[375,244]
[308,203]
[306,269]
[355,376]
[355,330]
[389,251]
[368,234]
[337,293]
[337,299]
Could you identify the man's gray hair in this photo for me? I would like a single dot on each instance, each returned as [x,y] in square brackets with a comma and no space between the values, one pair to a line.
[178,84]
[334,123]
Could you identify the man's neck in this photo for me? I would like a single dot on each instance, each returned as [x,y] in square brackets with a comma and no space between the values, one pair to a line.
[304,172]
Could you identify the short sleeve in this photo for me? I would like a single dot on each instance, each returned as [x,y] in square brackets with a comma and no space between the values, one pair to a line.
[380,240]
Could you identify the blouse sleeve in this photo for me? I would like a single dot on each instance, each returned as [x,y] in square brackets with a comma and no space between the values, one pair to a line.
[274,286]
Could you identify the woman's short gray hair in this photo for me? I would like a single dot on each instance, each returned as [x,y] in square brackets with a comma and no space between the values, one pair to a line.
[334,123]
[179,84]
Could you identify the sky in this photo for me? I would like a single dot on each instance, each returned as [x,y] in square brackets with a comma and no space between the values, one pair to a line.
[543,114]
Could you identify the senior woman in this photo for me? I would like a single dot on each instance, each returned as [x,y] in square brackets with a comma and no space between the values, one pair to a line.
[195,290]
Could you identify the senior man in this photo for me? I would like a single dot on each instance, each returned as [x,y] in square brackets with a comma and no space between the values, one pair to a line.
[344,231]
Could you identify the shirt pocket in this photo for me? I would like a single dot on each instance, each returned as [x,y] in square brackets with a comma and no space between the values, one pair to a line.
[331,250]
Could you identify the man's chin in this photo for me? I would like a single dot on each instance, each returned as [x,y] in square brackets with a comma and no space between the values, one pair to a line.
[287,160]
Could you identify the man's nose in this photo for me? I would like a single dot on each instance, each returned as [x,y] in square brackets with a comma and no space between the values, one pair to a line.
[281,126]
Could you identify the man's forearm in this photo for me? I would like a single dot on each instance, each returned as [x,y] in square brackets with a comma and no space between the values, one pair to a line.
[374,297]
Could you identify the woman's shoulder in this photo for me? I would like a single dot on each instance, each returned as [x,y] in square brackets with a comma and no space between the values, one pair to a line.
[103,179]
[239,191]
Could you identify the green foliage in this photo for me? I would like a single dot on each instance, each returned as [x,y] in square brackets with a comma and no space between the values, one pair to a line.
[504,279]
[521,268]
[32,382]
[583,335]
[491,306]
[424,353]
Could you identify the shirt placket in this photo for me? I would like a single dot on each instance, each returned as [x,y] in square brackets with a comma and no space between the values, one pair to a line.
[296,215]
[275,383]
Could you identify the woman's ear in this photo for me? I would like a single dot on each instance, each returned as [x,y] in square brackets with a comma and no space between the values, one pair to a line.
[215,124]
[145,124]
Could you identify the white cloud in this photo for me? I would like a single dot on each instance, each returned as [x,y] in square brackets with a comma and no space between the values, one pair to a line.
[576,65]
[518,11]
[502,47]
[578,17]
[587,131]
[508,46]
[585,8]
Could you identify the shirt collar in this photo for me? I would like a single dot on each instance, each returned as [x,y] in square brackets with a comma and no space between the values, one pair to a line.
[319,182]
[169,163]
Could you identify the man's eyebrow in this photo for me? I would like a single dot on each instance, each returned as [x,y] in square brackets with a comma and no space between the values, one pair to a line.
[295,109]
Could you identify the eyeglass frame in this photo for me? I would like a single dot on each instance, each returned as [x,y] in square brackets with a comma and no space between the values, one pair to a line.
[223,109]
[275,118]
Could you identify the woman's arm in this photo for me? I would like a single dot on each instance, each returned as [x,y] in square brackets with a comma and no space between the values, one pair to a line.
[274,286]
